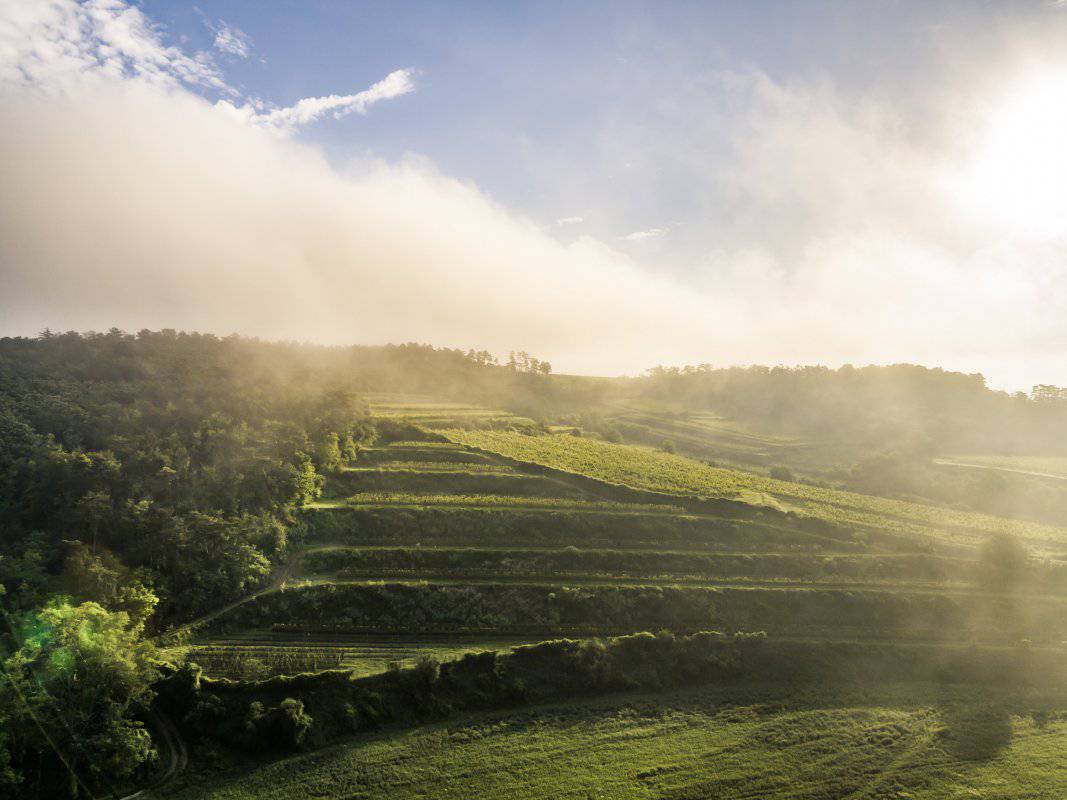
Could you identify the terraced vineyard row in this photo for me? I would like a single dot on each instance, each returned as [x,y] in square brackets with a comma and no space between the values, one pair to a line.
[435,414]
[553,555]
[251,657]
[574,564]
[651,470]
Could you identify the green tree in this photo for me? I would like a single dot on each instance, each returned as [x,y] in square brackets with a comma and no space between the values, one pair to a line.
[328,455]
[75,688]
[282,727]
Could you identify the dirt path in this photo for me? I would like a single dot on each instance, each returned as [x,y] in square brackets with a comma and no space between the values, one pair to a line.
[276,583]
[945,462]
[177,756]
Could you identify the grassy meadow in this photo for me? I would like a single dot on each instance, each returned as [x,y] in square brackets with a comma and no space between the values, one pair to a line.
[751,742]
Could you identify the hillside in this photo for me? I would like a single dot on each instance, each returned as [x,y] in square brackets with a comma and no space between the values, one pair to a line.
[478,541]
[563,401]
[314,582]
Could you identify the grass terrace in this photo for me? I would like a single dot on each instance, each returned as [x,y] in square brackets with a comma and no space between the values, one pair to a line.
[647,469]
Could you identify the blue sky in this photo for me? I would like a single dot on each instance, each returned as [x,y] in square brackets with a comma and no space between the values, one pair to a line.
[571,109]
[610,186]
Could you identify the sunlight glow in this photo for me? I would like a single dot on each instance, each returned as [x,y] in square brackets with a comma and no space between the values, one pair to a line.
[1018,177]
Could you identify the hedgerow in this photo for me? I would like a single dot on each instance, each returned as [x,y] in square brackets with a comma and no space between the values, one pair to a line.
[311,709]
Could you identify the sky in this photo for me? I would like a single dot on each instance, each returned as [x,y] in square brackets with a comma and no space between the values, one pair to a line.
[609,186]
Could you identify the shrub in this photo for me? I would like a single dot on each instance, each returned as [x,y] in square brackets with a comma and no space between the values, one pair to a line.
[283,727]
[1002,562]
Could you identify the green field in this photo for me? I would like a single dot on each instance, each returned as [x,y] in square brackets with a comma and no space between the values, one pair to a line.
[751,742]
[555,531]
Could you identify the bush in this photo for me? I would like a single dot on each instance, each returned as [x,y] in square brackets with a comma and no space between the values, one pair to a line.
[1003,562]
[283,727]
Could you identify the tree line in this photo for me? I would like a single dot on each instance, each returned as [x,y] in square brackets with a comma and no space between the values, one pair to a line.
[874,405]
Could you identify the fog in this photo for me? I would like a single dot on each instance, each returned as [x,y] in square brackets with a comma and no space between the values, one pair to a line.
[130,200]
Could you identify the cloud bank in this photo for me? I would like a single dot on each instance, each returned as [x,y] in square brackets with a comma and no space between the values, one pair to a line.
[129,199]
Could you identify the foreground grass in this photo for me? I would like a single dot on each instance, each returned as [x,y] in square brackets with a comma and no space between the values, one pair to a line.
[647,469]
[741,743]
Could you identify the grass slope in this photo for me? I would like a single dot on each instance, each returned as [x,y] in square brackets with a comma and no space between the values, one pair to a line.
[544,566]
[652,470]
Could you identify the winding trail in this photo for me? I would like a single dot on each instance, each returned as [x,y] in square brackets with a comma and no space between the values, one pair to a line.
[178,755]
[948,462]
[276,583]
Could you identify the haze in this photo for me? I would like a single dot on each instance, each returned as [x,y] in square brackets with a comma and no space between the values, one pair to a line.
[697,196]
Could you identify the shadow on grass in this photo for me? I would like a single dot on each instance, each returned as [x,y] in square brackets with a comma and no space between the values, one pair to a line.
[975,731]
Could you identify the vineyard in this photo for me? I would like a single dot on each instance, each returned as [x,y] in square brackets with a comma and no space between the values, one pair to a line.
[456,547]
[648,469]
[256,656]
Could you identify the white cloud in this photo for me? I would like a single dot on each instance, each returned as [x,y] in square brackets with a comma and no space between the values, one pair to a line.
[286,120]
[55,44]
[239,229]
[232,40]
[639,236]
[570,221]
[851,242]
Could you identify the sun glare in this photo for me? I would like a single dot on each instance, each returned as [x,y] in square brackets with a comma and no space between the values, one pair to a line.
[1018,176]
